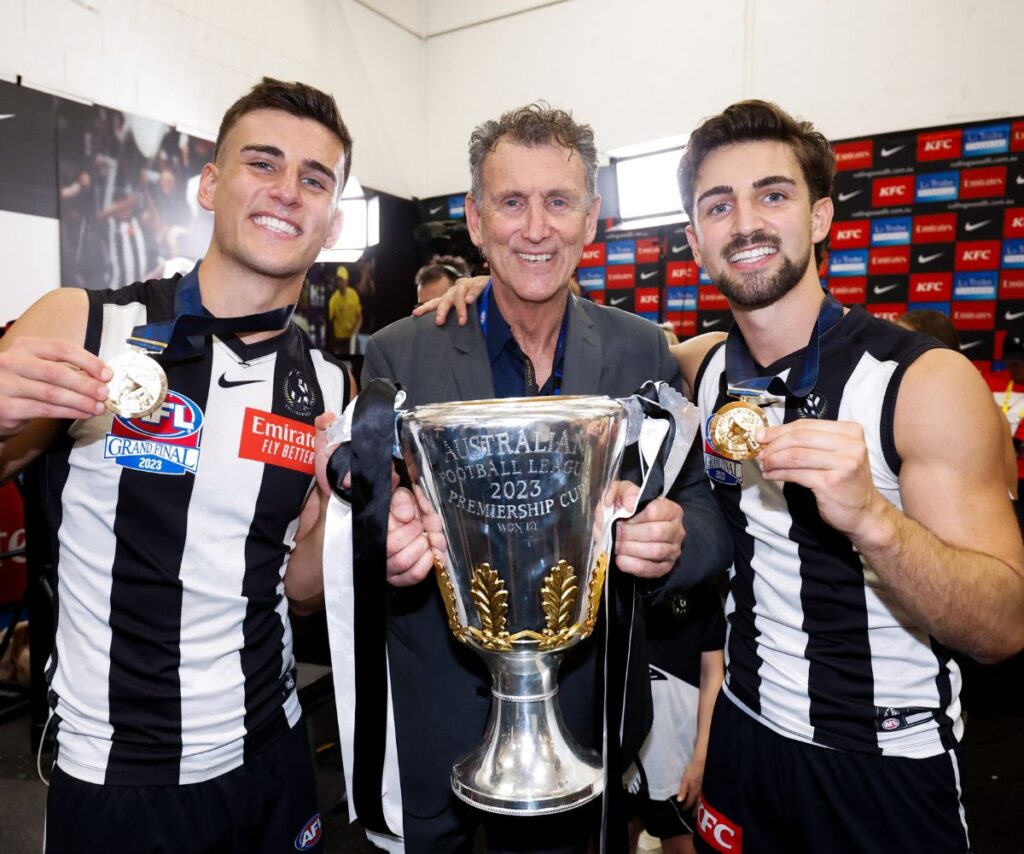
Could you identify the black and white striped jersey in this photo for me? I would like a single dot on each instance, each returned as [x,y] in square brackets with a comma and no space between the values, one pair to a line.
[173,657]
[817,649]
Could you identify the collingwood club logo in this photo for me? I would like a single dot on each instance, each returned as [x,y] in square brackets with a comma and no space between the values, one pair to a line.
[299,396]
[812,406]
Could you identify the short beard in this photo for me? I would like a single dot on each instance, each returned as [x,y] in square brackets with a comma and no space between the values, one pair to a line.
[758,290]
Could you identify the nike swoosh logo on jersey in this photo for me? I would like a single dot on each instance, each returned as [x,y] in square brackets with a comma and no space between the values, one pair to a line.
[886,152]
[882,289]
[973,226]
[845,197]
[924,259]
[224,382]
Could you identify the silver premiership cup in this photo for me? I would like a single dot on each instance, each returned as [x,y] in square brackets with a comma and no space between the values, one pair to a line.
[521,490]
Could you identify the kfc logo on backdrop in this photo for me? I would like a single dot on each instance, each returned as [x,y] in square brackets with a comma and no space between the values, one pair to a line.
[1013,222]
[851,291]
[931,287]
[977,255]
[854,155]
[974,315]
[717,830]
[939,145]
[620,277]
[891,311]
[935,228]
[593,255]
[892,259]
[681,273]
[852,234]
[892,191]
[647,299]
[981,183]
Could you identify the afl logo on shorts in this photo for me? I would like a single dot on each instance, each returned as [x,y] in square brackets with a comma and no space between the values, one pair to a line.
[309,836]
[891,724]
[299,396]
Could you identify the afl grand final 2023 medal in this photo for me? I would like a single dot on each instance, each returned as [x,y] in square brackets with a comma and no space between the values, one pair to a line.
[733,429]
[138,386]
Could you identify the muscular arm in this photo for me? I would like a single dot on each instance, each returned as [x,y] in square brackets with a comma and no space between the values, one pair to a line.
[304,578]
[45,375]
[953,559]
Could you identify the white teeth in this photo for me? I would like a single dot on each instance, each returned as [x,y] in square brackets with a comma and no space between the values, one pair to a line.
[275,224]
[752,254]
[534,259]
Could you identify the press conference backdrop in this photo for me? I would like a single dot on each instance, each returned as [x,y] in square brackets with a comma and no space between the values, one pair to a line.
[930,218]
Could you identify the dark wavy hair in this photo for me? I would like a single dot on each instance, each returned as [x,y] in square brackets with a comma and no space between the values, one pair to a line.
[298,99]
[757,121]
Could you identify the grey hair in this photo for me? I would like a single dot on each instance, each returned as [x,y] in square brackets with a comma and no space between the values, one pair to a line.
[535,124]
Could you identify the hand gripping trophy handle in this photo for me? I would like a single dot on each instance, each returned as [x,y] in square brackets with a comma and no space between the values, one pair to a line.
[524,491]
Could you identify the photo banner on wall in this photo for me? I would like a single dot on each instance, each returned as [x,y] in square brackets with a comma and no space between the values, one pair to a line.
[127,197]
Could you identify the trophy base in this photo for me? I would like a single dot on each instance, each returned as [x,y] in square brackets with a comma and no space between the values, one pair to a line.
[527,763]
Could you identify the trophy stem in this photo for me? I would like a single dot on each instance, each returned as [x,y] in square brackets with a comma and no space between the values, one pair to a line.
[527,762]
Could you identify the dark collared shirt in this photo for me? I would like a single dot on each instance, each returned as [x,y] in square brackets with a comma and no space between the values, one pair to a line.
[511,368]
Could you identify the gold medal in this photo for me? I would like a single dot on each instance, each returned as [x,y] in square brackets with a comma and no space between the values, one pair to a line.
[138,386]
[733,428]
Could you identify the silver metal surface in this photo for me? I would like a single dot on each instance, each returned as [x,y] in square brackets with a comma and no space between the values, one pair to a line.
[521,490]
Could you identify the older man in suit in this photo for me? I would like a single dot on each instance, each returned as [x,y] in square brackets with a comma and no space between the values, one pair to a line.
[532,208]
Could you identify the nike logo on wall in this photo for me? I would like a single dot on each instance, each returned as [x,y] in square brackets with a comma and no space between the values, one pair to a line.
[677,249]
[1020,179]
[969,344]
[883,289]
[224,382]
[1013,315]
[888,151]
[845,197]
[618,301]
[645,276]
[6,116]
[974,226]
[707,324]
[925,259]
[435,210]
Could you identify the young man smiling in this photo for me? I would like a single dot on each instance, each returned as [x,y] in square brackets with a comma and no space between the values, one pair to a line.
[870,519]
[181,536]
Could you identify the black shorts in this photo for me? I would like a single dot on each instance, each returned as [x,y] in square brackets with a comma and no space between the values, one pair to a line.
[267,805]
[663,819]
[766,794]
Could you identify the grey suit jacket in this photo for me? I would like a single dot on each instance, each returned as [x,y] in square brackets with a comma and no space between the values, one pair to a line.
[441,688]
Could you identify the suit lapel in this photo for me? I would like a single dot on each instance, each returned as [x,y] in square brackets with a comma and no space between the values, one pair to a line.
[582,364]
[471,366]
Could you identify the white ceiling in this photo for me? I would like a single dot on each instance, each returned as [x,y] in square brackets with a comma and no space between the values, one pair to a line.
[426,18]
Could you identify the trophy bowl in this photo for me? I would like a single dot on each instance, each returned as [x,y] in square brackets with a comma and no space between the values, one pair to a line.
[520,488]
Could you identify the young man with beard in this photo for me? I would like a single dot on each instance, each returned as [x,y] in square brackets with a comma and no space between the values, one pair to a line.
[532,208]
[860,468]
[181,536]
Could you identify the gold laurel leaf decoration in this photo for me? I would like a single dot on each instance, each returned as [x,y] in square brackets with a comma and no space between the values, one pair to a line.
[491,599]
[448,595]
[558,597]
[594,594]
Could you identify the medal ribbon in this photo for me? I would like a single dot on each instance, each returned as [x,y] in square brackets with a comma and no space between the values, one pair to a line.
[556,366]
[185,336]
[802,378]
